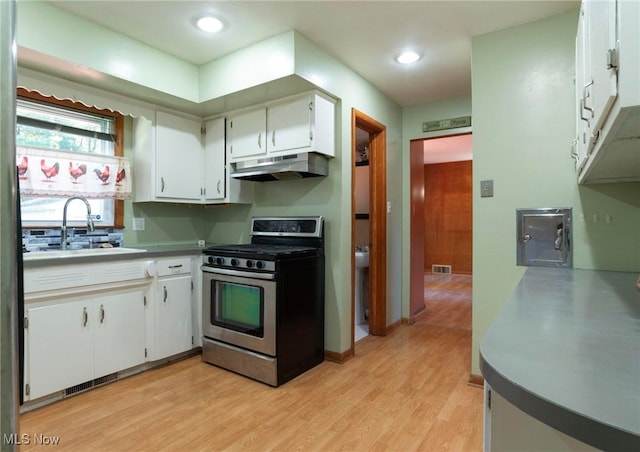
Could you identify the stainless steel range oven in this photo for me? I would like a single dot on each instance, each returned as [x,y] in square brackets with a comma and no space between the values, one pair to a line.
[263,302]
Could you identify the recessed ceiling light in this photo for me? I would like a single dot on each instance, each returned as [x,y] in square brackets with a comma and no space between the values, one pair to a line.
[210,24]
[408,57]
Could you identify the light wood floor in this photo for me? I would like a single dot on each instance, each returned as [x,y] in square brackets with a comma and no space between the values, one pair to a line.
[404,392]
[447,300]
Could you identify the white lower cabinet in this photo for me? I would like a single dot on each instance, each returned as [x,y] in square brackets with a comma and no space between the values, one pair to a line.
[84,322]
[119,340]
[508,428]
[172,325]
[75,340]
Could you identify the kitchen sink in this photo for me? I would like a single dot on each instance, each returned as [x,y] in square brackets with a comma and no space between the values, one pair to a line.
[79,253]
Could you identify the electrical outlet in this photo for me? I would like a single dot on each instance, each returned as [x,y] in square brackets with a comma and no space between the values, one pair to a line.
[138,224]
[486,188]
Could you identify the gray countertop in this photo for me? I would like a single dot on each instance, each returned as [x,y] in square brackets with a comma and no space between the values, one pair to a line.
[145,252]
[565,349]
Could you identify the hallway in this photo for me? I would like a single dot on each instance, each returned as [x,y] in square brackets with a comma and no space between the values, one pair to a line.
[447,299]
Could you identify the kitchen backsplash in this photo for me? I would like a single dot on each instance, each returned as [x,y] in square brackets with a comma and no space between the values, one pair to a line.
[49,239]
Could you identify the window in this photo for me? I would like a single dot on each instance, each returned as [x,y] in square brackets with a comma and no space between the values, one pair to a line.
[46,122]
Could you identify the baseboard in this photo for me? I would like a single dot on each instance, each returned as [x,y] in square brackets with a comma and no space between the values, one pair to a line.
[476,381]
[393,326]
[337,357]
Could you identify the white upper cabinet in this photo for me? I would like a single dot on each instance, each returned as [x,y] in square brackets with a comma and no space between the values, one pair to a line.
[289,125]
[246,134]
[583,122]
[301,123]
[178,157]
[214,160]
[183,160]
[608,92]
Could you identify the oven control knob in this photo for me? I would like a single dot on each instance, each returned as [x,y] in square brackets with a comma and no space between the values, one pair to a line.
[220,260]
[234,262]
[210,260]
[249,263]
[260,264]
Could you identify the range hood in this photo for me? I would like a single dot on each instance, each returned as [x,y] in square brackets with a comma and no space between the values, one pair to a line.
[296,166]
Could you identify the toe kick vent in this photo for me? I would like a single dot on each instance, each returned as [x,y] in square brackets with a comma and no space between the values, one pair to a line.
[441,268]
[91,384]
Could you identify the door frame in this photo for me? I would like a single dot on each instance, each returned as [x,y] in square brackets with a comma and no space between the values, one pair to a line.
[377,220]
[417,223]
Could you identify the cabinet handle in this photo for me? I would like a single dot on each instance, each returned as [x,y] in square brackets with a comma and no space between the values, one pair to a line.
[101,313]
[85,317]
[165,294]
[175,266]
[162,184]
[273,138]
[574,149]
[260,140]
[582,116]
[218,186]
[585,95]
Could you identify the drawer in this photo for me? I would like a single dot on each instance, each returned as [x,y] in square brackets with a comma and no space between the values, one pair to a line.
[174,266]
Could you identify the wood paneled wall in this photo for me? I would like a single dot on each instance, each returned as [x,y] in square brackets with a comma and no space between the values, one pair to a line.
[448,216]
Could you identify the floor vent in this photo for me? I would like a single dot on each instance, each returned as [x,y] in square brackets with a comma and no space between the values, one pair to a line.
[91,384]
[441,269]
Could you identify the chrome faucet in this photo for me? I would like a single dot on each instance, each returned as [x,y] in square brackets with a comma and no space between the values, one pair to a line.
[63,229]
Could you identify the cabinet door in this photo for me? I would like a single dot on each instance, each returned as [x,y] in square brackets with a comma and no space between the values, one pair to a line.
[289,126]
[179,170]
[601,84]
[119,332]
[214,160]
[246,134]
[59,346]
[584,119]
[173,315]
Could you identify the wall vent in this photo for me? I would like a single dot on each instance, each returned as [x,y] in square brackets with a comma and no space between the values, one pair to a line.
[441,269]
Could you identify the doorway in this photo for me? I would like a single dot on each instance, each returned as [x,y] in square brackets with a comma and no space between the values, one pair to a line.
[375,156]
[441,222]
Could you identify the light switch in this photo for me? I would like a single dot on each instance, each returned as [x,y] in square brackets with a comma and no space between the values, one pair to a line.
[486,188]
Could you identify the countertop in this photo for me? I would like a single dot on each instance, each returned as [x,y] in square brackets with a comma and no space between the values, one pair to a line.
[565,349]
[149,252]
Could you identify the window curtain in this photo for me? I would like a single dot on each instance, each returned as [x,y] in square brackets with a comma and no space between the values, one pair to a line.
[53,173]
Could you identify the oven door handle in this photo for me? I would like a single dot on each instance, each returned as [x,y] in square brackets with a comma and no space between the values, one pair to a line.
[231,272]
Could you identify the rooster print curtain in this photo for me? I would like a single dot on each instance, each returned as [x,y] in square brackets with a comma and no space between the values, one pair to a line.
[49,173]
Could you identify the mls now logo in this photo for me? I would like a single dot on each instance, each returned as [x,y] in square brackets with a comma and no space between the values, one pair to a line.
[14,439]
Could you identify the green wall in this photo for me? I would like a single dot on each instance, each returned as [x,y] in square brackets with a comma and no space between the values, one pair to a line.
[412,119]
[52,32]
[523,125]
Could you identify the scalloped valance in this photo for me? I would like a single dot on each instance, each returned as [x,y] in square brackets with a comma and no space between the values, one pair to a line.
[54,173]
[61,89]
